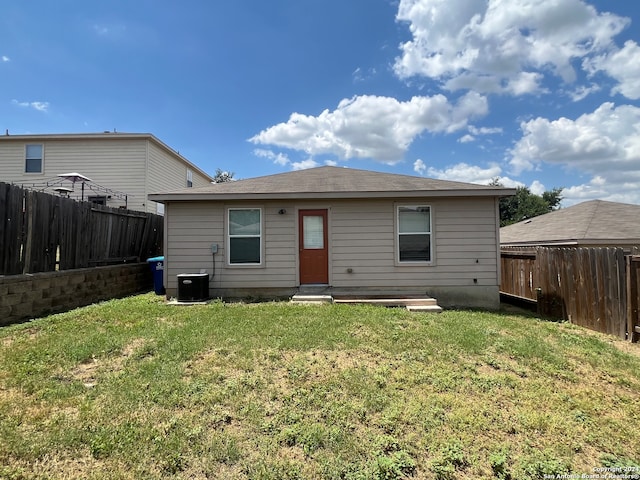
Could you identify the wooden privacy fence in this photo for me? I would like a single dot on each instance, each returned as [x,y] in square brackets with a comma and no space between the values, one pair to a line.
[633,297]
[596,288]
[42,233]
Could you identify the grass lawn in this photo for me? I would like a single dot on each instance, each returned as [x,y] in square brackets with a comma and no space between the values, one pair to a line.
[136,389]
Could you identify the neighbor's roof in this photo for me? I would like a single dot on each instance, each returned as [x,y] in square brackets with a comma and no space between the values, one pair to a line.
[595,222]
[330,182]
[43,137]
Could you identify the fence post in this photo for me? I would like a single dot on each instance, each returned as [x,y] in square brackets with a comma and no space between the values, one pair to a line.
[632,297]
[28,243]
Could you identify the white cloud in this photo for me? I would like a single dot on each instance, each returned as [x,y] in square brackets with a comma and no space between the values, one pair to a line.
[277,158]
[305,164]
[380,128]
[501,45]
[419,167]
[509,182]
[360,75]
[623,65]
[537,188]
[604,145]
[5,59]
[40,106]
[525,82]
[283,160]
[608,138]
[616,190]
[463,172]
[583,193]
[583,92]
[484,130]
[475,132]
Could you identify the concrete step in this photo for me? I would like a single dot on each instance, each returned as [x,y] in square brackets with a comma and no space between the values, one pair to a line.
[389,302]
[314,299]
[424,308]
[413,304]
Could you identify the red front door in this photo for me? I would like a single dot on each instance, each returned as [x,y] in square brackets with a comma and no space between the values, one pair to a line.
[313,248]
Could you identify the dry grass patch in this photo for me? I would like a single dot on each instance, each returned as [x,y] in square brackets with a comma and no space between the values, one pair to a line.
[89,371]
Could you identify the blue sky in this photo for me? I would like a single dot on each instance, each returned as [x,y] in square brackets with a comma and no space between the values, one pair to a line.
[537,93]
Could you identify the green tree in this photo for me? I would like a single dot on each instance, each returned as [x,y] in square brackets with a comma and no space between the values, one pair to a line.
[524,204]
[553,198]
[222,176]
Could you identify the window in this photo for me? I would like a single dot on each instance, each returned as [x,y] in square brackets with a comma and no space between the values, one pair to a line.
[189,178]
[313,228]
[414,233]
[33,158]
[245,236]
[98,199]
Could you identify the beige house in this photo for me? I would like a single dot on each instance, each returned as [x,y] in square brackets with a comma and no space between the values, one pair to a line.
[339,231]
[121,168]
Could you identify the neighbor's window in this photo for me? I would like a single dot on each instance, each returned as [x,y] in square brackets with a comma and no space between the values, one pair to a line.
[414,233]
[33,158]
[189,178]
[245,236]
[98,199]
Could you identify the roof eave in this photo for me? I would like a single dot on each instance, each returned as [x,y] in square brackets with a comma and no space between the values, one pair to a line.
[67,136]
[541,243]
[572,242]
[185,197]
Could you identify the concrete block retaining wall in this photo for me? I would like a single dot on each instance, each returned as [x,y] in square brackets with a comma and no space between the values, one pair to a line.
[23,297]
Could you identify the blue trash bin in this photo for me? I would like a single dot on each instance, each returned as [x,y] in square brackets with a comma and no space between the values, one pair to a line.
[157,269]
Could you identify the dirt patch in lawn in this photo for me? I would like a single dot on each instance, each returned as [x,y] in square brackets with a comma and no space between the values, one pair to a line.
[88,371]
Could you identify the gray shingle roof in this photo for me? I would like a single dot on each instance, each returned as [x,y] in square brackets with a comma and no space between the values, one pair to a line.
[587,223]
[331,182]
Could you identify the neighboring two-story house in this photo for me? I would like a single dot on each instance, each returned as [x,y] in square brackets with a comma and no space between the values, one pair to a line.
[115,169]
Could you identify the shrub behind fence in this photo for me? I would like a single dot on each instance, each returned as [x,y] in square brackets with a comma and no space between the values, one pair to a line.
[43,233]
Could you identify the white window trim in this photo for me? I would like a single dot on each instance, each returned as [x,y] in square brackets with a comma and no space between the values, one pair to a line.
[405,263]
[24,165]
[228,239]
[189,178]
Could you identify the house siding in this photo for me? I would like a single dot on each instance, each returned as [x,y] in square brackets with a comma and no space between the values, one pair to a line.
[118,165]
[362,247]
[12,163]
[193,227]
[166,173]
[135,166]
[363,240]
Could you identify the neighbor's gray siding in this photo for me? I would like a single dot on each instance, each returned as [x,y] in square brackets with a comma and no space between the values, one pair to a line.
[134,166]
[362,238]
[167,172]
[112,163]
